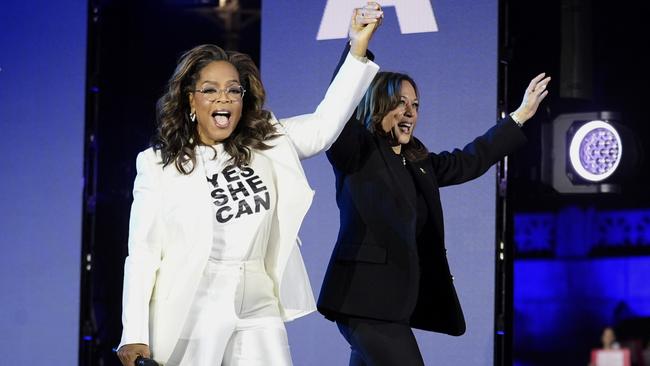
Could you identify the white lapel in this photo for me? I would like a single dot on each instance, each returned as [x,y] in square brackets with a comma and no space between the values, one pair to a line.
[294,198]
[190,236]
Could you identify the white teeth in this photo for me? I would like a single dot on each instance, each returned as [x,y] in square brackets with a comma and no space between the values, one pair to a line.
[405,127]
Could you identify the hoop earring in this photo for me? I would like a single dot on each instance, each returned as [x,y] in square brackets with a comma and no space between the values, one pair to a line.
[193,117]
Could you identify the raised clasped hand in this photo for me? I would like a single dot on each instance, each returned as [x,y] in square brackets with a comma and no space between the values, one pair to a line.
[363,25]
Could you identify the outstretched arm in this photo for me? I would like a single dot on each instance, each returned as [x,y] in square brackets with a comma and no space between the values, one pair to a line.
[476,158]
[315,132]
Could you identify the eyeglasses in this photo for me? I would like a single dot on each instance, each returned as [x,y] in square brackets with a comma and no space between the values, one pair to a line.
[234,93]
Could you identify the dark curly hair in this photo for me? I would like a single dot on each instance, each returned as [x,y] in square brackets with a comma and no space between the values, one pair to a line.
[177,136]
[382,96]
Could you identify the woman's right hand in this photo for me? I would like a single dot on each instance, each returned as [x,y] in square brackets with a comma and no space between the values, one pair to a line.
[129,352]
[363,25]
[535,93]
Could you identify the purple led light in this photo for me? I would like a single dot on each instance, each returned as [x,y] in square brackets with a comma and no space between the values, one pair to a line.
[599,151]
[595,150]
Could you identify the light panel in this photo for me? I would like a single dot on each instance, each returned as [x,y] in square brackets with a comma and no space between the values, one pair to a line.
[595,150]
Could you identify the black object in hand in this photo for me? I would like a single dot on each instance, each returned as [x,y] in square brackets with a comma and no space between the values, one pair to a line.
[141,361]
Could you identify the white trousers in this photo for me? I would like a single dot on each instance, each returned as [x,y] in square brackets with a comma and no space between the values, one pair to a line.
[234,320]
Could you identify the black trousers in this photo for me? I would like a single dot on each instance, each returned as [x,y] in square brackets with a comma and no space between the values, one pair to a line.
[380,343]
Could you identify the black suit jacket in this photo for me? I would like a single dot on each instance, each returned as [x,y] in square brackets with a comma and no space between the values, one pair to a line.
[379,269]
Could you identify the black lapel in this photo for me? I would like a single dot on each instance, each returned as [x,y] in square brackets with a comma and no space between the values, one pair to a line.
[398,174]
[422,172]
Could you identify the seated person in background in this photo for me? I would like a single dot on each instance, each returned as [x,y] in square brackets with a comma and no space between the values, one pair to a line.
[608,343]
[608,339]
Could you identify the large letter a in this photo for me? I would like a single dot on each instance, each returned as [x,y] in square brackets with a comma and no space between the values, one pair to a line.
[413,16]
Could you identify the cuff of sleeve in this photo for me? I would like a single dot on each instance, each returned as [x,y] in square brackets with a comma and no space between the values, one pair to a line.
[363,59]
[359,66]
[515,119]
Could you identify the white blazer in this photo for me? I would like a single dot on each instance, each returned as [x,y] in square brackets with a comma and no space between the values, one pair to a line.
[170,230]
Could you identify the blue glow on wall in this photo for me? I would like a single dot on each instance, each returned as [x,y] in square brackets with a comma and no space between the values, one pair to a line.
[577,271]
[42,81]
[577,232]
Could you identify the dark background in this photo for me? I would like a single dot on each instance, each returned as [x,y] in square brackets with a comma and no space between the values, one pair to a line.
[579,259]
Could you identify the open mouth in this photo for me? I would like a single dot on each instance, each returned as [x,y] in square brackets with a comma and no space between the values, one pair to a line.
[221,118]
[405,127]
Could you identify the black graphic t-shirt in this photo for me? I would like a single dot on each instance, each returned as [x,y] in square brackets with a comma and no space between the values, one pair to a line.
[243,201]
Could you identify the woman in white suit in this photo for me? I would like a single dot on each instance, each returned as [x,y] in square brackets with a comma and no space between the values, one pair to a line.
[214,267]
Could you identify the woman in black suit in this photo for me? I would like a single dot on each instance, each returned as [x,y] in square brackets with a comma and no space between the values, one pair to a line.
[388,271]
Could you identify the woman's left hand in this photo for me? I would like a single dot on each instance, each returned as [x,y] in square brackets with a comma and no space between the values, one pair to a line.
[363,25]
[535,93]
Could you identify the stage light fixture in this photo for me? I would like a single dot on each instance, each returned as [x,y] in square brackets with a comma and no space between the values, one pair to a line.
[595,150]
[587,152]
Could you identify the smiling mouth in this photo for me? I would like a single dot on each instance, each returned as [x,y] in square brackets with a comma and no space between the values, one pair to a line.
[405,127]
[221,118]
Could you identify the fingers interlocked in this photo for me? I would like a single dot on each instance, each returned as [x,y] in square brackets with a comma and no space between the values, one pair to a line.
[370,13]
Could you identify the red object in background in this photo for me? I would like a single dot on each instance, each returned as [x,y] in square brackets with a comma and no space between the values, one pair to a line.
[610,357]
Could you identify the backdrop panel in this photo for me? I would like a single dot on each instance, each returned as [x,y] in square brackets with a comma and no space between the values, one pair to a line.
[450,49]
[42,76]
